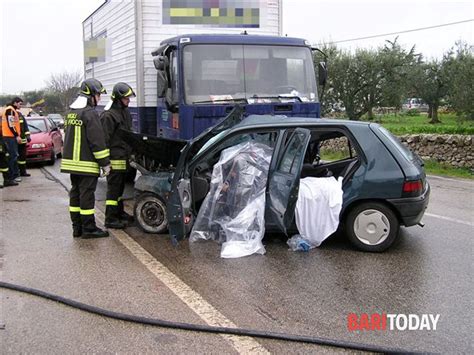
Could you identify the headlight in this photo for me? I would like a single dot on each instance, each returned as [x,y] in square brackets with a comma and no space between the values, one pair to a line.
[38,145]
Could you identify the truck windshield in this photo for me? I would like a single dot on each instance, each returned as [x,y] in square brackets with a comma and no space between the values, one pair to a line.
[215,73]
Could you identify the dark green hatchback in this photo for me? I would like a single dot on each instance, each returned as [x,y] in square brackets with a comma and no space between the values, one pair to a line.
[384,183]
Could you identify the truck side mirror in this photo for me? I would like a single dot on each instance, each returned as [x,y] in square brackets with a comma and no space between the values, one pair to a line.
[322,73]
[162,84]
[160,62]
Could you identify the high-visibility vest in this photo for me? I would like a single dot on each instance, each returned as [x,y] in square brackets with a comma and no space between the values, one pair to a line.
[10,124]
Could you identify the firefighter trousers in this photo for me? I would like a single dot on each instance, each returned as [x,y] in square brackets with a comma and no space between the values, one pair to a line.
[12,148]
[114,204]
[82,201]
[21,161]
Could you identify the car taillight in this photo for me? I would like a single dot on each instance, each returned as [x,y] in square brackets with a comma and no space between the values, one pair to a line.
[412,188]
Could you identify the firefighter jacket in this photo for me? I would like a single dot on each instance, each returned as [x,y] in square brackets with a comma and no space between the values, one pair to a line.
[10,122]
[114,119]
[84,147]
[24,129]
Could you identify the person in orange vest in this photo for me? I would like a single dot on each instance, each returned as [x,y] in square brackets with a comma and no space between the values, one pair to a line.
[11,131]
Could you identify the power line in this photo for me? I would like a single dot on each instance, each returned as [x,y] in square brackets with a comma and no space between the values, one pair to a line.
[406,31]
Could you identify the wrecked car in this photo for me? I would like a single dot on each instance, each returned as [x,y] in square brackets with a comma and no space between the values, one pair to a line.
[384,183]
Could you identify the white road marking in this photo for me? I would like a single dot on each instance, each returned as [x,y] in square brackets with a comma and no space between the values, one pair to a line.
[191,298]
[450,219]
[435,177]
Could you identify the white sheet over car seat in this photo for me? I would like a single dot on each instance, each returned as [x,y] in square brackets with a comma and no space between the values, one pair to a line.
[317,208]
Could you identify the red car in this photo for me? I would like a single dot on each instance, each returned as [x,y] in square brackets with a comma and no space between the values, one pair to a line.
[46,140]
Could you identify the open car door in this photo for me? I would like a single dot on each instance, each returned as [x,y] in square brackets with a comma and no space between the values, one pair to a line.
[284,179]
[180,216]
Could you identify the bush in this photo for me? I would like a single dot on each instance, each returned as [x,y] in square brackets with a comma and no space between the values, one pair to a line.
[411,112]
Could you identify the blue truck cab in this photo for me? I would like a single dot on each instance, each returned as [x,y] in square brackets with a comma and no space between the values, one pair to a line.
[202,77]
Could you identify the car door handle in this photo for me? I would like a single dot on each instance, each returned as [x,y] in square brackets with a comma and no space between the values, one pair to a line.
[288,182]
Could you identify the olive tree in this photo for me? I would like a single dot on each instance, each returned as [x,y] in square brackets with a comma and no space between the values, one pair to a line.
[459,65]
[369,78]
[430,82]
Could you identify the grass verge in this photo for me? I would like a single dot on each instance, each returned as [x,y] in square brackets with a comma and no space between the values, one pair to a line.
[435,168]
[400,124]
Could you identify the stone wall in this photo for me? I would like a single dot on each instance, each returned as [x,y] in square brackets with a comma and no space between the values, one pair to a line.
[454,149]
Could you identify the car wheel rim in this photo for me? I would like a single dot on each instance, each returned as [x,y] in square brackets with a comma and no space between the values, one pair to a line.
[371,227]
[152,214]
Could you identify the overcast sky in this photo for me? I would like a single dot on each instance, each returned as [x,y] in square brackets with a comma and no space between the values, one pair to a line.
[43,37]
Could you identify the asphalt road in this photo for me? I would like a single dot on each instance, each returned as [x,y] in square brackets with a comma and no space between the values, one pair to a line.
[429,271]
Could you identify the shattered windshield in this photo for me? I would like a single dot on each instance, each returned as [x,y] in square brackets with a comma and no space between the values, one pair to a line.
[217,73]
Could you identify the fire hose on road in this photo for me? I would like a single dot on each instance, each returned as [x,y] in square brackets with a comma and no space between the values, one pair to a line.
[203,328]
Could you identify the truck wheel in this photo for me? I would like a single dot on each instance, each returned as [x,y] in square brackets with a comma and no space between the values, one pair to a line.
[372,226]
[150,213]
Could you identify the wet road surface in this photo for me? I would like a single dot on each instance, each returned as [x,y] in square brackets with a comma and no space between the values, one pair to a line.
[428,271]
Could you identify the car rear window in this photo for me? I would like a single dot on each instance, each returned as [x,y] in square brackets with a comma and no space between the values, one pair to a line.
[396,142]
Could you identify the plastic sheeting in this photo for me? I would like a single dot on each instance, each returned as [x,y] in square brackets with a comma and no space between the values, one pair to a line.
[233,210]
[317,209]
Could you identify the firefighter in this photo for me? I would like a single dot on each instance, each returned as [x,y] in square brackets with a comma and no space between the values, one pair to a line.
[25,138]
[84,156]
[116,116]
[11,138]
[3,163]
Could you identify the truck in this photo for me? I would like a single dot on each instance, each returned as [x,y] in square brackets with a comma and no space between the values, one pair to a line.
[188,82]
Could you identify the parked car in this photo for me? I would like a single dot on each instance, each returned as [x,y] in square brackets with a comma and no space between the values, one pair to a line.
[415,104]
[46,140]
[384,183]
[57,118]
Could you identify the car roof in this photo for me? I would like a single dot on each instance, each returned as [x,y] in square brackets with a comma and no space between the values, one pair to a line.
[36,118]
[254,121]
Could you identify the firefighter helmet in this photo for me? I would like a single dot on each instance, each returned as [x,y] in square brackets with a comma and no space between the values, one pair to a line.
[122,90]
[91,87]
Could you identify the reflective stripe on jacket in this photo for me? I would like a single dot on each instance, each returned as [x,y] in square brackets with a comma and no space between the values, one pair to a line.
[84,149]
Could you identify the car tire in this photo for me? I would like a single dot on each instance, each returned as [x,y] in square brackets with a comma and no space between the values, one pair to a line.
[150,213]
[52,159]
[372,226]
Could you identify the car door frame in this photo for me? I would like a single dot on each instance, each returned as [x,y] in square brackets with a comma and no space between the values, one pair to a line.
[281,198]
[178,207]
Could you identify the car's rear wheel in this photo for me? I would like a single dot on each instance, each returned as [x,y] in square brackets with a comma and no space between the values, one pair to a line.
[372,226]
[150,213]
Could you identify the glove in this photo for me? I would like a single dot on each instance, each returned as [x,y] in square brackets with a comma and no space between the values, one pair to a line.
[105,170]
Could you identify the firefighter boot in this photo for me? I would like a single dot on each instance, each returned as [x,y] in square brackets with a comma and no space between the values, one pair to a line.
[112,219]
[22,168]
[76,224]
[124,216]
[90,230]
